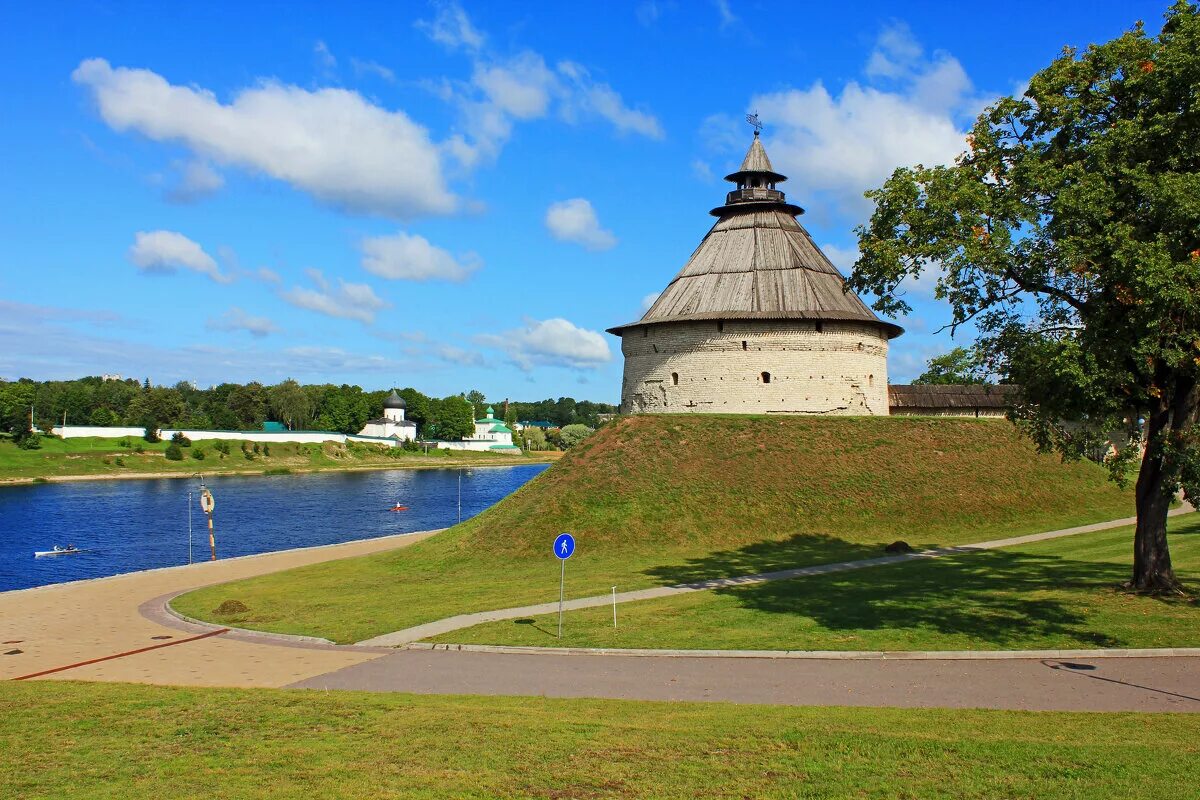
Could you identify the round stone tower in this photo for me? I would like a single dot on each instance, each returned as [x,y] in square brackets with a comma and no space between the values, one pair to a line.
[758,321]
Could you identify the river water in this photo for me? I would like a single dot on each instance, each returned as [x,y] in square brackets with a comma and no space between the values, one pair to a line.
[128,525]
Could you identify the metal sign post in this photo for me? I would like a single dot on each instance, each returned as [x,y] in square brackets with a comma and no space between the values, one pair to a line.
[564,546]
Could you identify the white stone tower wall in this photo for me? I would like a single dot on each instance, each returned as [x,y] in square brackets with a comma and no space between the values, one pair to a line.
[712,367]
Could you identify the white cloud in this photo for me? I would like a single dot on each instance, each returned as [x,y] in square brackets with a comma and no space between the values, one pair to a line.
[649,300]
[194,181]
[896,54]
[648,12]
[268,275]
[847,144]
[575,221]
[372,68]
[235,319]
[167,251]
[45,344]
[520,88]
[457,355]
[324,56]
[588,98]
[404,256]
[725,13]
[551,342]
[835,146]
[452,28]
[331,143]
[348,301]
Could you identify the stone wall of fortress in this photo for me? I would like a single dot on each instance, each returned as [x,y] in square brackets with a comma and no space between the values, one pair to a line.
[718,367]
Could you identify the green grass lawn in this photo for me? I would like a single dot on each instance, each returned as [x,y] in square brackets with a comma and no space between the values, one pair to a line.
[90,456]
[1056,594]
[126,741]
[658,500]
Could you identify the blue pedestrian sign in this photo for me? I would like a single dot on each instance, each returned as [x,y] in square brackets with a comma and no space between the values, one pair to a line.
[564,546]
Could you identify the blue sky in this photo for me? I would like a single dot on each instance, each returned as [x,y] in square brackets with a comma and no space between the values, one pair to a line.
[448,196]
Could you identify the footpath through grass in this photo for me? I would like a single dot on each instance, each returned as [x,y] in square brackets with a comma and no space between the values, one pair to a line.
[1062,593]
[657,500]
[120,741]
[132,456]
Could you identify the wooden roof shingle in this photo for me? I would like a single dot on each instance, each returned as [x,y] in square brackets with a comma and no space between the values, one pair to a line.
[758,262]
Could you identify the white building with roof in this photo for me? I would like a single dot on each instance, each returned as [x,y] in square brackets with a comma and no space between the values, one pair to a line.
[392,425]
[758,321]
[491,435]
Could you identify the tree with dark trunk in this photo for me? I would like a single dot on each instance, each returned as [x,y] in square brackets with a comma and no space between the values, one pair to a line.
[1068,235]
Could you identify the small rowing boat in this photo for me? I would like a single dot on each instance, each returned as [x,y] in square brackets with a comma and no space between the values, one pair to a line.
[58,551]
[398,507]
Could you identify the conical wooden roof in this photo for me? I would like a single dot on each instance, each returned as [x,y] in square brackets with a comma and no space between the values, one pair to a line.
[758,262]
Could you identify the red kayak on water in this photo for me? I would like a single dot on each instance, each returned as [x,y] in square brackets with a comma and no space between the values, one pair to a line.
[398,507]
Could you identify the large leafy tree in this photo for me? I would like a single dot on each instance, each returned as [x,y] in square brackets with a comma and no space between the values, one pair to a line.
[1069,235]
[290,403]
[959,366]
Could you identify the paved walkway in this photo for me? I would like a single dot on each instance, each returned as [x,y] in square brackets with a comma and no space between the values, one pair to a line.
[1111,684]
[98,626]
[450,624]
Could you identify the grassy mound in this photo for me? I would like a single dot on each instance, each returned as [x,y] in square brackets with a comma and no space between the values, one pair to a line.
[660,499]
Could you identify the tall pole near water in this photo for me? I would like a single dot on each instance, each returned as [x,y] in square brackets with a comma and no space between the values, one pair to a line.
[460,495]
[189,526]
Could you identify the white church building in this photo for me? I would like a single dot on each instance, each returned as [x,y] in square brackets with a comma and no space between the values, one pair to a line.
[491,434]
[392,425]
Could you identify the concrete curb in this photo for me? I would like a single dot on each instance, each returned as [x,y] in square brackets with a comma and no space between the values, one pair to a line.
[824,655]
[159,610]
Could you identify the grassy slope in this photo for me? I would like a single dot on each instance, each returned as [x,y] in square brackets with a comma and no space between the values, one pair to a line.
[88,456]
[1055,594]
[122,741]
[660,499]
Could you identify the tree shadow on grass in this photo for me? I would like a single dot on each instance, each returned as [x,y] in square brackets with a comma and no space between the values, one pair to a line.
[801,550]
[993,598]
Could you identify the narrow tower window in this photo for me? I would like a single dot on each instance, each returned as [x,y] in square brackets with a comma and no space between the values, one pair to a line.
[766,377]
[870,380]
[744,345]
[720,327]
[820,327]
[674,378]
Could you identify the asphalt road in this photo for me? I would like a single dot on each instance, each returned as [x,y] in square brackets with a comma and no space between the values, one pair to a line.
[1101,684]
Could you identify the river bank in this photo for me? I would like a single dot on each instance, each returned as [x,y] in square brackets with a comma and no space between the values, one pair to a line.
[124,459]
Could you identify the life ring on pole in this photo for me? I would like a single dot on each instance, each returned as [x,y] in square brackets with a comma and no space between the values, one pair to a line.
[207,504]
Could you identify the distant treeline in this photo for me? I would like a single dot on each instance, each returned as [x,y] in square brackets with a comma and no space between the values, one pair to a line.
[233,406]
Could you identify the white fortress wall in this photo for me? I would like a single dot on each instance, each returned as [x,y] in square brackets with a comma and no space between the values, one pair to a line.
[826,367]
[80,431]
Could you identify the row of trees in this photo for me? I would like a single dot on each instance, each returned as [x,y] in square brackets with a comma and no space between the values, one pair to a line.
[561,412]
[232,406]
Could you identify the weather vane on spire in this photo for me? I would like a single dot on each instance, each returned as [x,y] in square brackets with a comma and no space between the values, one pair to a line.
[754,122]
